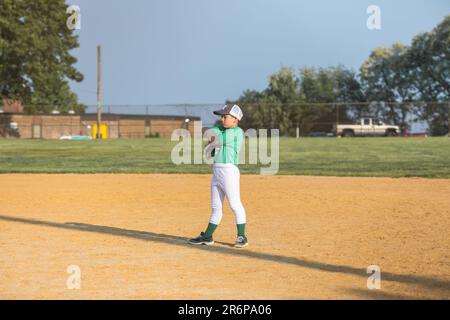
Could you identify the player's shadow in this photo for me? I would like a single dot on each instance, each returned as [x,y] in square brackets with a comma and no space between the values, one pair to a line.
[366,294]
[441,285]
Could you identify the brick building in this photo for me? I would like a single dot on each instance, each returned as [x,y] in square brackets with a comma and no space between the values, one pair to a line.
[54,126]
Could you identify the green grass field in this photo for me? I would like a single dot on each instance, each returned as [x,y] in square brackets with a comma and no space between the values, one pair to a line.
[376,157]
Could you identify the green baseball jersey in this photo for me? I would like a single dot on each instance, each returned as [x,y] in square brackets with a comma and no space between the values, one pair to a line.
[230,141]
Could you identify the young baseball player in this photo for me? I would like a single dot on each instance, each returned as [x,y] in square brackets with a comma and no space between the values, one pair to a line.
[226,143]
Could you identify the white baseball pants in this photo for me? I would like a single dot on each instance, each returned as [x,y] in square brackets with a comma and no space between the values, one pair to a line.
[226,182]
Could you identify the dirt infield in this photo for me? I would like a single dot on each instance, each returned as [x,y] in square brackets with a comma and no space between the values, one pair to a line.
[310,237]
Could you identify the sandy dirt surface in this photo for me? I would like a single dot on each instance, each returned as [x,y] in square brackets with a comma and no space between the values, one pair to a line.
[310,237]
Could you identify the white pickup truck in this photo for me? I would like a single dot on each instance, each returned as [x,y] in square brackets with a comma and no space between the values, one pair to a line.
[366,127]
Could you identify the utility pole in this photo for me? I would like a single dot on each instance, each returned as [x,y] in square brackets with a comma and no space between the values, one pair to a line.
[99,91]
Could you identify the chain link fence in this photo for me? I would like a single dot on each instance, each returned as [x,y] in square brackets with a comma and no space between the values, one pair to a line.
[292,119]
[202,111]
[322,119]
[310,119]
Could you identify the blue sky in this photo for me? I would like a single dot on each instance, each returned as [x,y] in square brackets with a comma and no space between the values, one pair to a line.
[207,51]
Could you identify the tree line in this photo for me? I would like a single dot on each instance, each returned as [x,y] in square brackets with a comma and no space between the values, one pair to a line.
[394,83]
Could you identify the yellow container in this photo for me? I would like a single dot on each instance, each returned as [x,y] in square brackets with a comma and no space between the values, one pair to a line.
[103,131]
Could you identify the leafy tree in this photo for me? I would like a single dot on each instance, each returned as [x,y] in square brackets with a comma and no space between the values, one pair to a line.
[323,87]
[271,108]
[283,86]
[35,59]
[348,87]
[428,62]
[281,95]
[384,76]
[304,100]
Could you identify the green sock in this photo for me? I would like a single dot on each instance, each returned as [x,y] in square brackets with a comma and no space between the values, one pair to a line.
[241,229]
[210,230]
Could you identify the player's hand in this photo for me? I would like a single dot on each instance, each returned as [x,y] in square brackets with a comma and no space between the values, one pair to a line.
[210,149]
[213,141]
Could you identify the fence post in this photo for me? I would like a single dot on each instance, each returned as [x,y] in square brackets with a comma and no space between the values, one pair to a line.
[448,135]
[337,115]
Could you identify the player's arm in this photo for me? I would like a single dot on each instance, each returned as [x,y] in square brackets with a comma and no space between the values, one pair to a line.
[213,143]
[212,146]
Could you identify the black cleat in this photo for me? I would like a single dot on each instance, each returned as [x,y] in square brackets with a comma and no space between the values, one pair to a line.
[201,239]
[241,242]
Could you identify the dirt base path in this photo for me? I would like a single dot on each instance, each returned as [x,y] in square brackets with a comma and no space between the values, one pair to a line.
[310,237]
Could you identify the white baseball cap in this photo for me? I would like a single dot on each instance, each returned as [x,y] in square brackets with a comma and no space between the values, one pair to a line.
[231,109]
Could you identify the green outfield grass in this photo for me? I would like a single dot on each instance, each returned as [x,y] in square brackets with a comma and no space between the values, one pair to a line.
[377,157]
